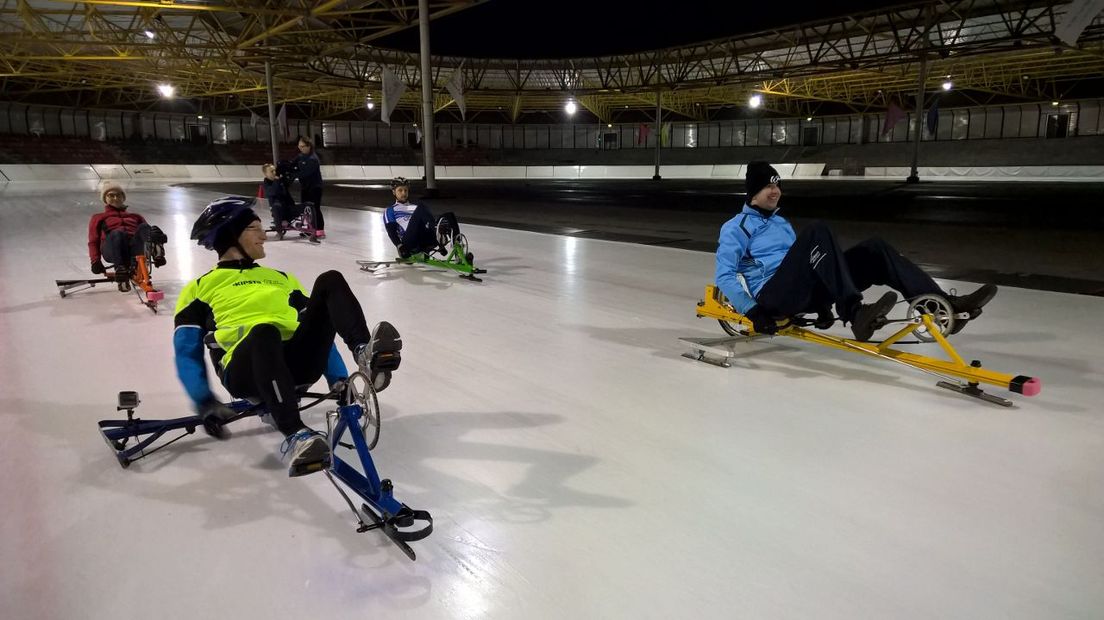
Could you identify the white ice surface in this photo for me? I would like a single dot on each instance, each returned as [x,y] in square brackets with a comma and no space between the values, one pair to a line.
[576,465]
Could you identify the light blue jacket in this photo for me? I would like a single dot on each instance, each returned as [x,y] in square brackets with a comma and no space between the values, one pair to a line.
[751,245]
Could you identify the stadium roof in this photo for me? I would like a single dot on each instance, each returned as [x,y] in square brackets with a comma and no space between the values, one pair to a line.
[517,59]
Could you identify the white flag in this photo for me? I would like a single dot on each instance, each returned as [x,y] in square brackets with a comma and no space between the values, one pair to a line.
[253,118]
[417,134]
[393,89]
[281,121]
[1079,14]
[455,87]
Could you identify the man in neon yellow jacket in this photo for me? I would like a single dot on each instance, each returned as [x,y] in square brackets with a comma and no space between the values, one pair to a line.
[270,334]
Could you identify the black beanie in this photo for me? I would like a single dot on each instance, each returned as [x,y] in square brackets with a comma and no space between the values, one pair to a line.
[759,175]
[230,231]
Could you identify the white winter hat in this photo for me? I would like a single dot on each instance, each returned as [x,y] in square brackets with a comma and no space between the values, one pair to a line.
[108,186]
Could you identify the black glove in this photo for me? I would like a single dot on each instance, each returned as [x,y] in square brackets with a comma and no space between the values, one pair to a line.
[156,235]
[761,320]
[825,318]
[98,266]
[214,414]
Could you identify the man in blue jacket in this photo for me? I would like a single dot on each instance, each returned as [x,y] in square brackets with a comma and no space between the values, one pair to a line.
[788,274]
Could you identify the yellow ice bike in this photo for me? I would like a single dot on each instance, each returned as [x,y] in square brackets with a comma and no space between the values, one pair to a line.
[929,319]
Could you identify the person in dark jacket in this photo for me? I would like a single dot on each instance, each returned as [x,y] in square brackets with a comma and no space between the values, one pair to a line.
[118,235]
[279,198]
[308,169]
[788,274]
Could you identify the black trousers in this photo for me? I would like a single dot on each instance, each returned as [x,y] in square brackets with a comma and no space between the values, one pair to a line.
[313,195]
[815,274]
[265,366]
[284,211]
[421,231]
[119,248]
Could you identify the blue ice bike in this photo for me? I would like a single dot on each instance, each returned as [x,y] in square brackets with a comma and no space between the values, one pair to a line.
[356,415]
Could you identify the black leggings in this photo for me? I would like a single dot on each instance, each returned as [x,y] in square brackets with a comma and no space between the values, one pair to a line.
[265,366]
[814,274]
[421,231]
[313,195]
[119,248]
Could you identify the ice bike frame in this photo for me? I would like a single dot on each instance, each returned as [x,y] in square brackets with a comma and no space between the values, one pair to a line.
[302,224]
[459,259]
[133,439]
[956,374]
[140,282]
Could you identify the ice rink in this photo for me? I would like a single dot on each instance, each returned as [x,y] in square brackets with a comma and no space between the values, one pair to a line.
[575,464]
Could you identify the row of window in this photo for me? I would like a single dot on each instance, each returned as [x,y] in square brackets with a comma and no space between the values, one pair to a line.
[1080,118]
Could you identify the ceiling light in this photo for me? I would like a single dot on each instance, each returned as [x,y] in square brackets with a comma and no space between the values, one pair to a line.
[150,35]
[755,101]
[166,90]
[371,106]
[947,85]
[570,108]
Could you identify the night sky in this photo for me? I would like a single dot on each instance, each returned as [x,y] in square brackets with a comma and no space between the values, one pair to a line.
[578,28]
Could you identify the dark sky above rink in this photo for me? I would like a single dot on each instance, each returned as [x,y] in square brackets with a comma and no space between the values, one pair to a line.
[580,28]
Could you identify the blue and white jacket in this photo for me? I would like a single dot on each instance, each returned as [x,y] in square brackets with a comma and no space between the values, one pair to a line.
[752,245]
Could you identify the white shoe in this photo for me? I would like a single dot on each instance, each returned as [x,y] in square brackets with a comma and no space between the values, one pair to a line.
[305,452]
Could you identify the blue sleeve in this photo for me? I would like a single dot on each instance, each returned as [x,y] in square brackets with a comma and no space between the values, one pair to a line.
[190,366]
[733,244]
[335,367]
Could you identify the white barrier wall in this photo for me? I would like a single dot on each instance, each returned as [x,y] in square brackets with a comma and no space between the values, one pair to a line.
[729,171]
[111,171]
[499,172]
[170,172]
[808,170]
[43,172]
[239,171]
[345,172]
[995,173]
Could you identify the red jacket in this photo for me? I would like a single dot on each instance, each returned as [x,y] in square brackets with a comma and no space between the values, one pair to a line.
[109,220]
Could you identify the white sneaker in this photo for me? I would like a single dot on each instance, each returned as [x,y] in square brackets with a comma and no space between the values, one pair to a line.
[305,452]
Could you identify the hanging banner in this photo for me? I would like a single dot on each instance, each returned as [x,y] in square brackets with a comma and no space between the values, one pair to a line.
[1079,14]
[455,87]
[894,115]
[393,89]
[281,121]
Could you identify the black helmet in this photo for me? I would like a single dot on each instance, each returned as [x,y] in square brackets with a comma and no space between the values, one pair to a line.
[218,214]
[399,182]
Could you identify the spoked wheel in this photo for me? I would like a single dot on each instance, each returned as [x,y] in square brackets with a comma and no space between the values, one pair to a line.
[732,328]
[363,394]
[460,244]
[940,311]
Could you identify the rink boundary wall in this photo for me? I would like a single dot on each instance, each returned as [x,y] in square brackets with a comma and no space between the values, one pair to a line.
[176,172]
